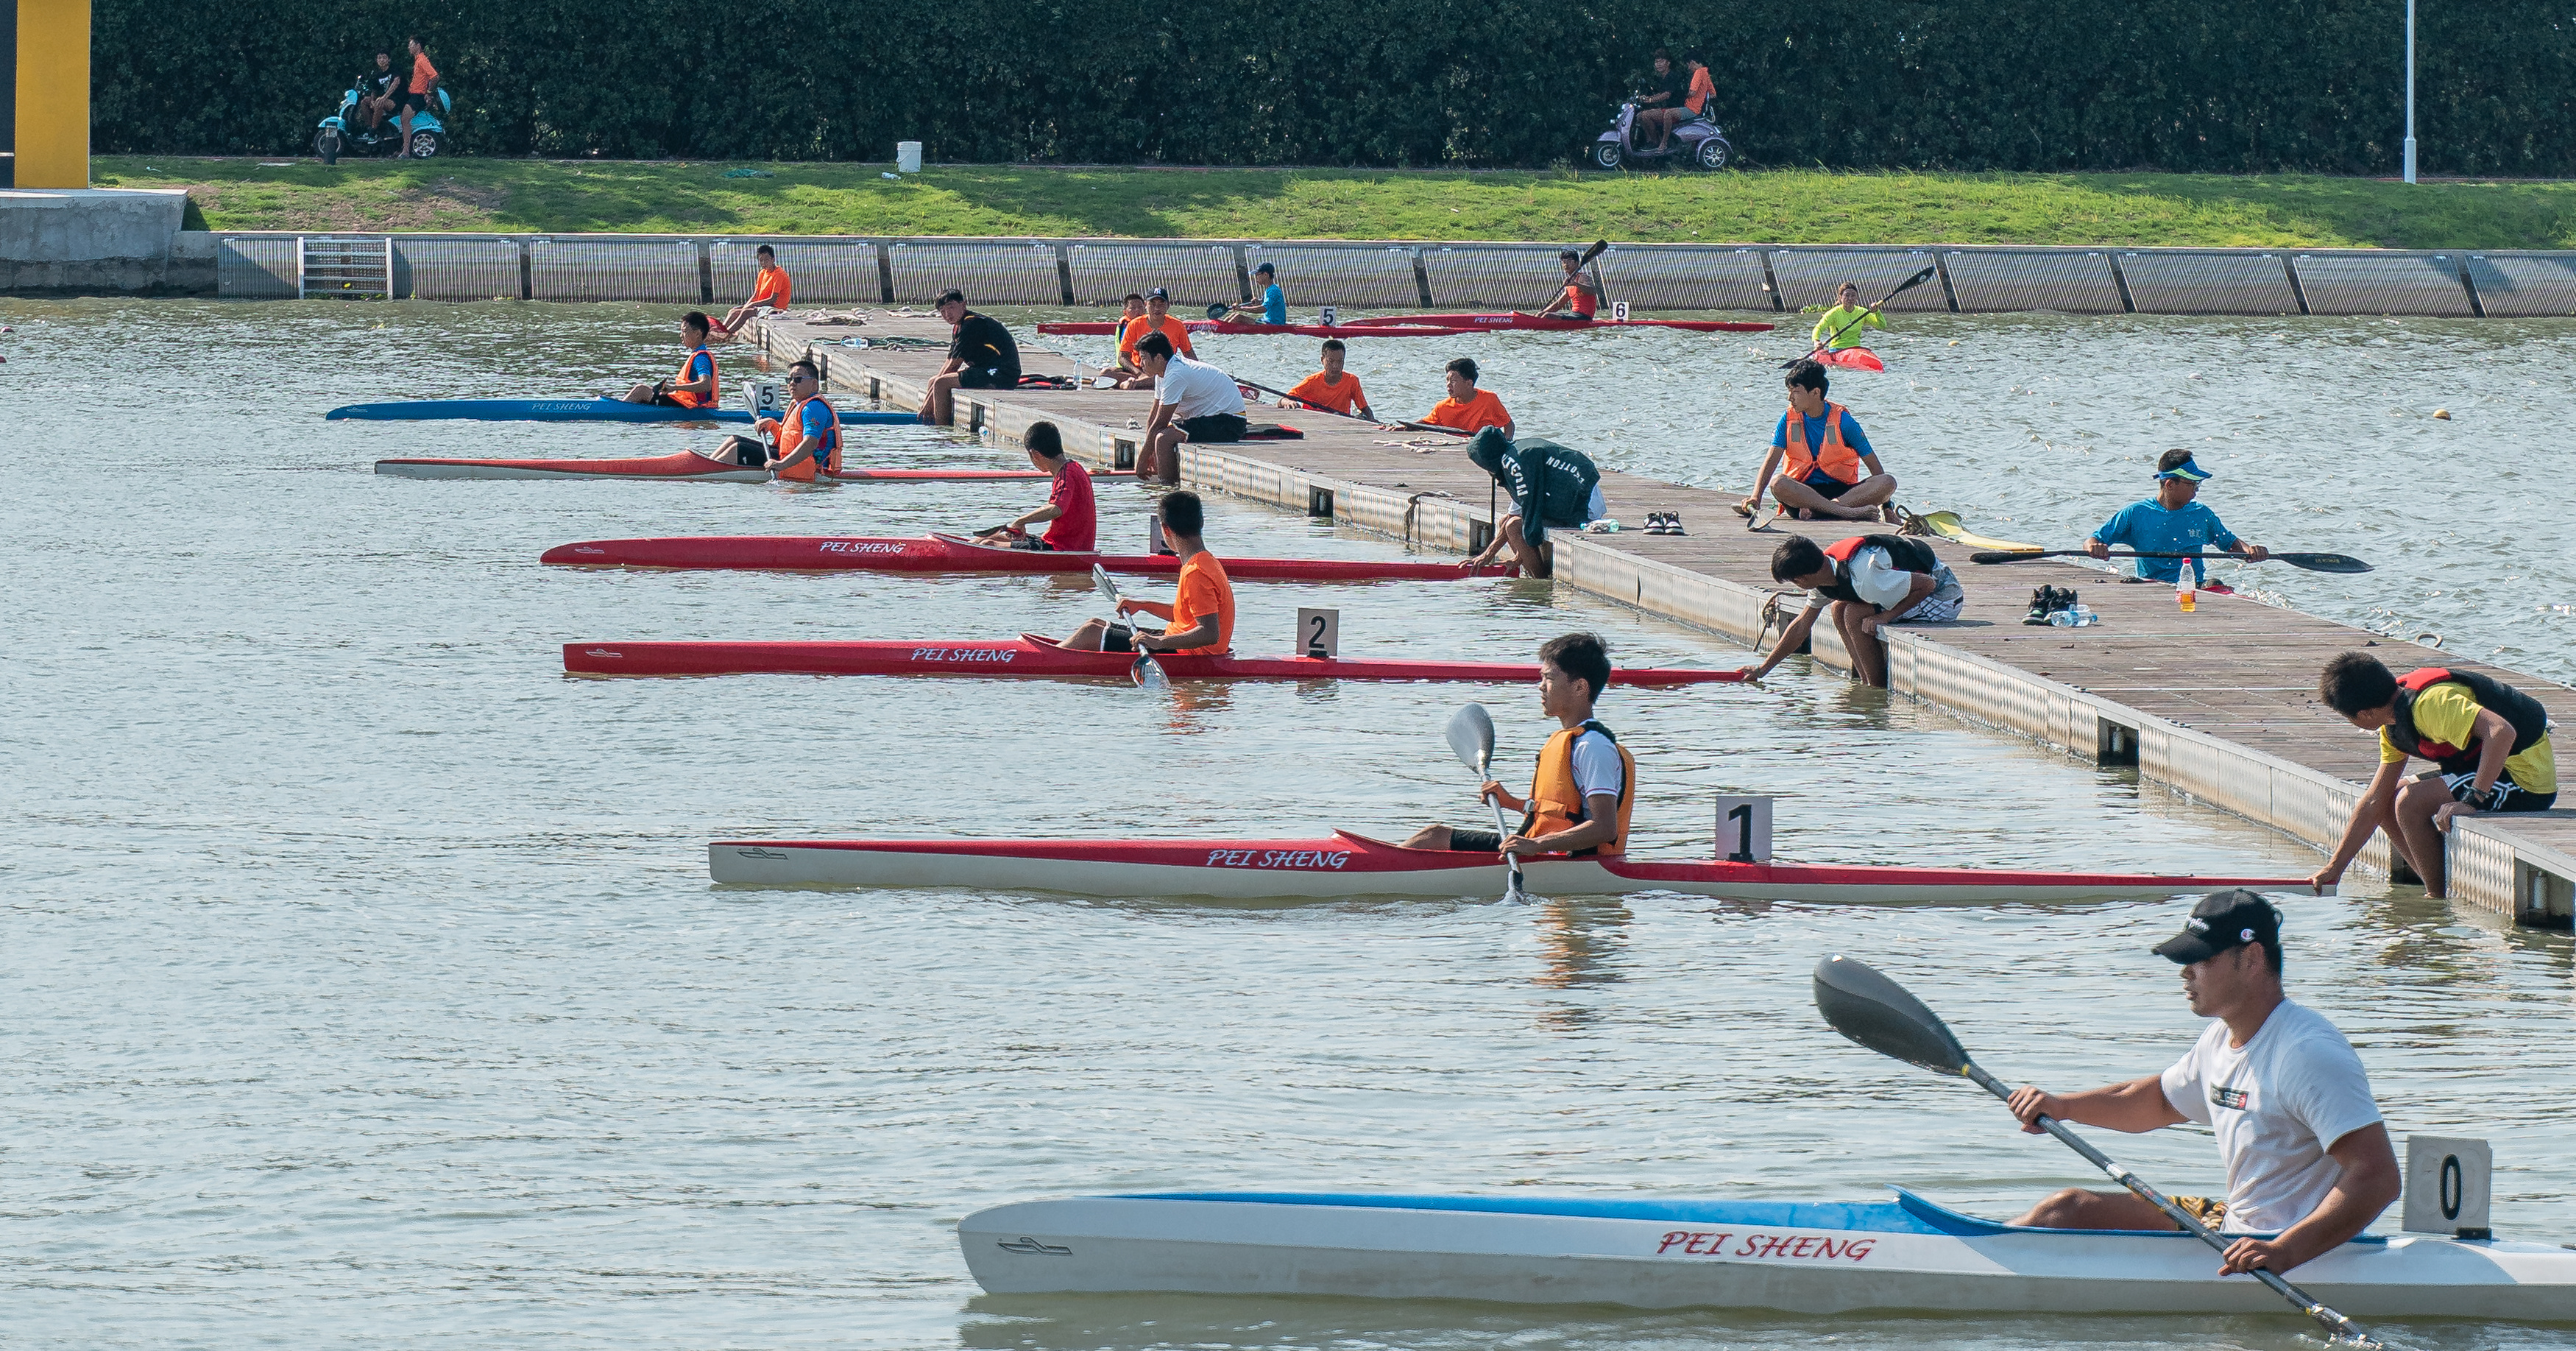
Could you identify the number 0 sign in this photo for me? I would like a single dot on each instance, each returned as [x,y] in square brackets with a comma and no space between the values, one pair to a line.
[1743,829]
[1319,633]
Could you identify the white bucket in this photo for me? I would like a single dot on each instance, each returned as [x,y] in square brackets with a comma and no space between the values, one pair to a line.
[907,157]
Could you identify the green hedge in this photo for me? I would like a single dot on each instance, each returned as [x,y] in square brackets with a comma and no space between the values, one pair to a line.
[2212,86]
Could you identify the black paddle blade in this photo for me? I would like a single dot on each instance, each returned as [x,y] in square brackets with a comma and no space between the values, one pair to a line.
[2006,555]
[1917,279]
[1216,309]
[1876,1012]
[2324,562]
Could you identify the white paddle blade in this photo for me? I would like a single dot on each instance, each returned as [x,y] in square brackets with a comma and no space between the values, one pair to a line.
[1108,589]
[1149,675]
[1471,736]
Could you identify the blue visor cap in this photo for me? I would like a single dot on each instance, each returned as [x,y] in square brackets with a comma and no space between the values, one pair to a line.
[2187,471]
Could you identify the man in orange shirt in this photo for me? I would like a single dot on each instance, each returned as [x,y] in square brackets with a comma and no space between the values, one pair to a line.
[1332,389]
[424,81]
[1703,87]
[769,288]
[1157,319]
[1467,409]
[1200,619]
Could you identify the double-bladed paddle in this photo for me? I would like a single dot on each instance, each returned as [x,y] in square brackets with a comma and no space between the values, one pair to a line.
[1875,1012]
[2312,562]
[1146,672]
[1599,247]
[1902,287]
[1471,735]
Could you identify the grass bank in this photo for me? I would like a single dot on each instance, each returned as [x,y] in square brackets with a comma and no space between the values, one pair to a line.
[1771,207]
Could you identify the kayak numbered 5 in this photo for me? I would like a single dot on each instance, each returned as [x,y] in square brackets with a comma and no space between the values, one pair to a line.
[954,553]
[602,409]
[680,466]
[1030,656]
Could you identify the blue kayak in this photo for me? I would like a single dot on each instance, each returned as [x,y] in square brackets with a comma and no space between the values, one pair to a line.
[563,410]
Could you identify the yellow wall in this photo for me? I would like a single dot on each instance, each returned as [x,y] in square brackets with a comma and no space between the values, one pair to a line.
[53,93]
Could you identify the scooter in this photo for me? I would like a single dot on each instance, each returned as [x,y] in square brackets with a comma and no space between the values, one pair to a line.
[345,132]
[1697,141]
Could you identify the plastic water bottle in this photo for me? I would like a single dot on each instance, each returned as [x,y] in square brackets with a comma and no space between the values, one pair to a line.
[2075,617]
[2186,589]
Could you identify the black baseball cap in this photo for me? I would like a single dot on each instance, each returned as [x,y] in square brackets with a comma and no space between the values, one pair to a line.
[1158,293]
[1265,267]
[2224,920]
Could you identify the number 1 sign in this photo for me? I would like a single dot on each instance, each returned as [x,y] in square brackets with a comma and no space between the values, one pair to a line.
[1743,829]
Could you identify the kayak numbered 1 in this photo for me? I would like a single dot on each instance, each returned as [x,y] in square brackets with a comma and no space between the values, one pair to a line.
[955,553]
[1033,657]
[1347,864]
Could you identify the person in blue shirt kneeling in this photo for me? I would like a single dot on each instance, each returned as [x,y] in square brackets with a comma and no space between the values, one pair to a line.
[1271,306]
[2171,522]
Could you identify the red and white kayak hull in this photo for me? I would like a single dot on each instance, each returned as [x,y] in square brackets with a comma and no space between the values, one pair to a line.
[1853,359]
[685,465]
[1555,324]
[1345,865]
[1030,656]
[952,553]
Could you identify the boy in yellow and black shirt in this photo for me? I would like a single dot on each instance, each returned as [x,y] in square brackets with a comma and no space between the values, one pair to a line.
[2488,741]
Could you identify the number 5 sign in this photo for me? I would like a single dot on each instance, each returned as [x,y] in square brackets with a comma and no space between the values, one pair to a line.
[1319,633]
[1743,829]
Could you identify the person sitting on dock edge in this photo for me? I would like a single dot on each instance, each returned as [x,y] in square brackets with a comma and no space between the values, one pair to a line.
[2488,741]
[2307,1154]
[2171,522]
[694,384]
[1269,307]
[1069,506]
[1869,580]
[1199,621]
[981,356]
[1818,458]
[1581,298]
[1584,792]
[1193,401]
[1549,484]
[1466,408]
[1157,318]
[770,289]
[1333,389]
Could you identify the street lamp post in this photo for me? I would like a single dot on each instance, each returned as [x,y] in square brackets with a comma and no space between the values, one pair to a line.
[2410,91]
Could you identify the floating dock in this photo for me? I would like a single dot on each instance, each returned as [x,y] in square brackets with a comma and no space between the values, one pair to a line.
[2218,704]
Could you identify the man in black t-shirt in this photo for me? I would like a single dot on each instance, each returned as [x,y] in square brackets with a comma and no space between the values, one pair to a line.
[1661,109]
[981,357]
[379,90]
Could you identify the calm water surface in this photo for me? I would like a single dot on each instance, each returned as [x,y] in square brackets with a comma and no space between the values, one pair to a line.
[362,984]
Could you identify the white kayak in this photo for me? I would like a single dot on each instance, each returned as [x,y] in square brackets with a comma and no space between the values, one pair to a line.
[1794,1257]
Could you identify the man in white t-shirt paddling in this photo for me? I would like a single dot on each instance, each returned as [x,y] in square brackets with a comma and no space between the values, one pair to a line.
[1193,401]
[2308,1158]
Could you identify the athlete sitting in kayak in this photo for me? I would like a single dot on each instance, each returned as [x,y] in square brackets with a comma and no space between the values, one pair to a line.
[2488,741]
[1157,318]
[1270,307]
[1581,298]
[1467,408]
[809,437]
[2171,522]
[769,289]
[2308,1158]
[1332,389]
[1584,791]
[694,384]
[1193,401]
[1200,619]
[981,356]
[1550,485]
[1076,521]
[1869,580]
[1843,325]
[1130,310]
[1820,454]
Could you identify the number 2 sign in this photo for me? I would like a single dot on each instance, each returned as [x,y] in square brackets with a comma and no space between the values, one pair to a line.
[1319,633]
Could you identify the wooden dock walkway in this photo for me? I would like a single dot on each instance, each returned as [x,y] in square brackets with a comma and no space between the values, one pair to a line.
[2219,703]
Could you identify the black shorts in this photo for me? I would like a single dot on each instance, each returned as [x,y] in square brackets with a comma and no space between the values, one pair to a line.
[749,452]
[2506,796]
[1475,841]
[411,102]
[1117,638]
[1031,542]
[1215,428]
[1827,486]
[988,377]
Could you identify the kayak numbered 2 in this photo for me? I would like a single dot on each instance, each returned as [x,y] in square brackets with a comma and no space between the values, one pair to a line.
[1346,864]
[601,409]
[955,553]
[1033,657]
[680,466]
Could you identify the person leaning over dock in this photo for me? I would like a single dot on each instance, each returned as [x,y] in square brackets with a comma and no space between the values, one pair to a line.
[1200,619]
[769,289]
[1156,319]
[1585,788]
[1550,485]
[1193,401]
[2308,1158]
[1069,503]
[1271,305]
[982,356]
[2489,744]
[1820,461]
[694,384]
[2171,522]
[1332,389]
[1869,580]
[1466,408]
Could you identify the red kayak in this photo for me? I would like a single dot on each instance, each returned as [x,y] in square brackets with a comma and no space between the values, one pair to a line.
[1095,329]
[685,465]
[1552,323]
[952,553]
[1103,328]
[1853,359]
[1346,865]
[1032,655]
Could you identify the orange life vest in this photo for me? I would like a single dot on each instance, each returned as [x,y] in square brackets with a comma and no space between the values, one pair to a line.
[826,458]
[1556,803]
[1838,460]
[688,399]
[1579,297]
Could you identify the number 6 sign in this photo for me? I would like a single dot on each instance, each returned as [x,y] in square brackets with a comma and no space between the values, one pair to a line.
[1743,829]
[1319,633]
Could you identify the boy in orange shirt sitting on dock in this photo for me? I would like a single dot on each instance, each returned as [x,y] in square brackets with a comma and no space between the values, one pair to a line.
[1157,318]
[1467,409]
[1332,389]
[1200,620]
[770,288]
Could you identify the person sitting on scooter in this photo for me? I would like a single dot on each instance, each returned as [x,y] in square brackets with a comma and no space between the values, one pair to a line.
[1703,87]
[694,384]
[379,90]
[1661,109]
[424,82]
